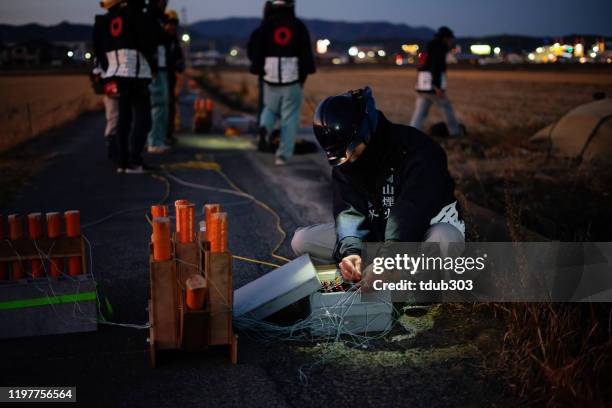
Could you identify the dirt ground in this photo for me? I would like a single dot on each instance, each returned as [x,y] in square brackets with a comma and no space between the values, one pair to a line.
[30,105]
[494,165]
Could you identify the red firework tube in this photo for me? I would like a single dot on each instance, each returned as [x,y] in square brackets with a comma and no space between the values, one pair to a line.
[209,210]
[54,230]
[195,292]
[158,211]
[16,232]
[73,229]
[219,241]
[162,246]
[177,221]
[3,265]
[34,233]
[186,222]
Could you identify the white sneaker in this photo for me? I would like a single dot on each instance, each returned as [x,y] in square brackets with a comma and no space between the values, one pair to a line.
[158,149]
[280,161]
[135,170]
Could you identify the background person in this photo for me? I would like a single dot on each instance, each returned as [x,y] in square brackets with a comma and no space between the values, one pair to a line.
[390,183]
[283,57]
[111,101]
[251,44]
[176,65]
[125,38]
[159,88]
[431,82]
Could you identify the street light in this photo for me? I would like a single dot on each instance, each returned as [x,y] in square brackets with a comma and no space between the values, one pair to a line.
[70,54]
[186,38]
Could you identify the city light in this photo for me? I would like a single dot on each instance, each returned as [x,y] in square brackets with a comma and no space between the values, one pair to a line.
[410,48]
[322,46]
[480,49]
[371,54]
[382,53]
[539,50]
[70,54]
[353,51]
[593,55]
[186,38]
[336,61]
[88,55]
[497,50]
[361,55]
[531,56]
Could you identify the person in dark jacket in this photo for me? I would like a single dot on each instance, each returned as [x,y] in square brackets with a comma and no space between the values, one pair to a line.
[283,57]
[431,82]
[390,183]
[251,44]
[127,49]
[160,97]
[176,65]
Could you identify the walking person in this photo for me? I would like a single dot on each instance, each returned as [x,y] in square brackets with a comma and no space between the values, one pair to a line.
[176,66]
[283,57]
[159,88]
[111,100]
[128,64]
[252,43]
[431,82]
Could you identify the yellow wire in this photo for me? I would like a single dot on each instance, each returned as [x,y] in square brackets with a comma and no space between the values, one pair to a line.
[209,165]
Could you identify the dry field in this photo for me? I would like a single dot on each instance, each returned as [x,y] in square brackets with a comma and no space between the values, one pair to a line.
[515,104]
[30,105]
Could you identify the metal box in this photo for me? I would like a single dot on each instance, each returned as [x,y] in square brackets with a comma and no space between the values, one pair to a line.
[346,312]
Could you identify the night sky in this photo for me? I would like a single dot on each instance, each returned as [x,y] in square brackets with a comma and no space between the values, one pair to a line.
[466,17]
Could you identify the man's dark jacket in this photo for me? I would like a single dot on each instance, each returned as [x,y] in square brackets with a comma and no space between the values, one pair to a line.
[392,191]
[124,42]
[433,62]
[280,50]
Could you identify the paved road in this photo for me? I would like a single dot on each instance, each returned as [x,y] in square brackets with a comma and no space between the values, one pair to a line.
[109,366]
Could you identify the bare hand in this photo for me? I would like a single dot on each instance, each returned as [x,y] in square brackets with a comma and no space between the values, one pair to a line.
[351,268]
[439,92]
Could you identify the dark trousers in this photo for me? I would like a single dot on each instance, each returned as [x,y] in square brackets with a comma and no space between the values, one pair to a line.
[134,121]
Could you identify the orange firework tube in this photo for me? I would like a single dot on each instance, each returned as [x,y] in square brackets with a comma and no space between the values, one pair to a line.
[3,265]
[16,232]
[34,233]
[162,247]
[219,243]
[186,221]
[196,292]
[177,220]
[73,229]
[54,230]
[209,210]
[158,211]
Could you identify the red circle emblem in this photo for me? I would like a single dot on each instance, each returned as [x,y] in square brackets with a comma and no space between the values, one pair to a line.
[116,26]
[282,36]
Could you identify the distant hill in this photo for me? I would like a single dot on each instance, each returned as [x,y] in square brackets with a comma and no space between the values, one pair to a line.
[240,29]
[60,32]
[232,31]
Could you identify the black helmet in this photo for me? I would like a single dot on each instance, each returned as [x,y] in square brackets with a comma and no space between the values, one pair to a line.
[445,32]
[343,122]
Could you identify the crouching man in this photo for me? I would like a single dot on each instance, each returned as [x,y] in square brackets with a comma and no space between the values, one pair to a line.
[390,182]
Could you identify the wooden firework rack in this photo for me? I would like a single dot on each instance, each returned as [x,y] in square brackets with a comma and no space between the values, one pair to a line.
[172,325]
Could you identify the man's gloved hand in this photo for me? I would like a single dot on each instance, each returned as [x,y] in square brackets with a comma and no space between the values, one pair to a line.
[350,267]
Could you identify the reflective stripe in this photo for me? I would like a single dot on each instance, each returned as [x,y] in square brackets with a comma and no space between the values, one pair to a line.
[449,215]
[282,70]
[127,63]
[425,81]
[161,56]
